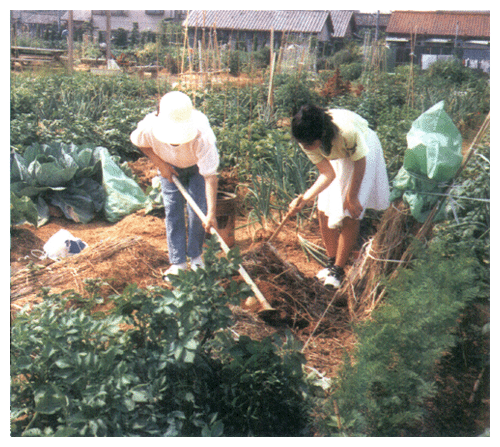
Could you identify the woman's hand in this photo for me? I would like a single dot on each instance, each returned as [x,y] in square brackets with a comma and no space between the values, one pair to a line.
[167,171]
[351,202]
[210,222]
[352,205]
[296,205]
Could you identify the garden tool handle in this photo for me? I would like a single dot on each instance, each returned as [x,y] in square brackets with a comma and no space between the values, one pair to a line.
[262,300]
[290,212]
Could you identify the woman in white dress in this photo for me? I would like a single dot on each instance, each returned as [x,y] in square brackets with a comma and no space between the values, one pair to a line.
[352,177]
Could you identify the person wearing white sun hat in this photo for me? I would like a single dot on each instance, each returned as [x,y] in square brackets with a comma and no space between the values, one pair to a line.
[178,139]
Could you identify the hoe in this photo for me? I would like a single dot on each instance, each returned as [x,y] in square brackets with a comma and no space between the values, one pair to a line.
[265,310]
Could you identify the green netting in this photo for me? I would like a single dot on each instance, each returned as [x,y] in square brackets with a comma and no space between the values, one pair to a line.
[433,156]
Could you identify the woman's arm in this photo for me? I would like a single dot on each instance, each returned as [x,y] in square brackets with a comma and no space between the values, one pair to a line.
[165,169]
[326,176]
[351,202]
[211,183]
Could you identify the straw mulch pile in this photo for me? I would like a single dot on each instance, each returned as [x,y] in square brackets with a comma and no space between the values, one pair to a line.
[115,260]
[300,300]
[378,259]
[304,306]
[319,317]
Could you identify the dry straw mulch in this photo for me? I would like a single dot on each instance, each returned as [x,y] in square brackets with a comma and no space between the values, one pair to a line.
[118,261]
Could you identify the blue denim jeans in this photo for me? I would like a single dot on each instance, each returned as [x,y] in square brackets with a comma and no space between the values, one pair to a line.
[182,244]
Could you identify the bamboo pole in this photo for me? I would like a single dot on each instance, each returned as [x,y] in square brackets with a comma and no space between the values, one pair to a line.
[270,98]
[410,93]
[217,51]
[186,42]
[70,42]
[108,36]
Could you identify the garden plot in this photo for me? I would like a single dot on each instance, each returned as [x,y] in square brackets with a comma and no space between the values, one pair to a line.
[134,250]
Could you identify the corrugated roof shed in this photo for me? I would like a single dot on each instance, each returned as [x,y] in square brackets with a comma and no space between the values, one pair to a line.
[341,20]
[79,15]
[41,17]
[370,19]
[264,20]
[441,23]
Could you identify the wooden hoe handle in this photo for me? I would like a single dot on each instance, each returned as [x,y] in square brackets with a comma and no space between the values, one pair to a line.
[263,302]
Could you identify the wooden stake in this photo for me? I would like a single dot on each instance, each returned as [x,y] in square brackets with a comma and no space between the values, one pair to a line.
[186,43]
[270,99]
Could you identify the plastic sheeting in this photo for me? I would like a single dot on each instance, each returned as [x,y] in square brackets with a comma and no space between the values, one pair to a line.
[123,195]
[431,160]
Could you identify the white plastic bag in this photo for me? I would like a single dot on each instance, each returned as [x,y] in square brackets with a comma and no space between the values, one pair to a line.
[63,244]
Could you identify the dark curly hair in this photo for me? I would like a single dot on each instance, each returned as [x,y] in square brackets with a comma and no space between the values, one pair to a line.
[313,123]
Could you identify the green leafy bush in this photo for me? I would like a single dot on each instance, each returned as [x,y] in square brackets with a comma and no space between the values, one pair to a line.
[382,390]
[292,91]
[79,109]
[264,392]
[161,364]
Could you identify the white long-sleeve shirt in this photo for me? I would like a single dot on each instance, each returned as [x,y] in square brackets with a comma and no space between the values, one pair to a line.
[201,151]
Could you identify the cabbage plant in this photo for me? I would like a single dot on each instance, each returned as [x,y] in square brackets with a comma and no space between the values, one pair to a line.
[61,175]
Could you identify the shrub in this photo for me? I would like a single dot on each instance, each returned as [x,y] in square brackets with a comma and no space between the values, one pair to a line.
[292,91]
[382,390]
[236,62]
[160,364]
[348,55]
[352,71]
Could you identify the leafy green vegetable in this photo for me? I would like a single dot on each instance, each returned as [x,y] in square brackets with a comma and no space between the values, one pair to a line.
[22,209]
[80,180]
[59,175]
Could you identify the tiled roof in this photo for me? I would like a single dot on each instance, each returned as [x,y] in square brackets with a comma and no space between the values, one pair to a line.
[440,23]
[341,20]
[264,20]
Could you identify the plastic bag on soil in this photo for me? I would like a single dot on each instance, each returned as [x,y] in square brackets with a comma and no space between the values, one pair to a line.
[433,157]
[63,244]
[123,195]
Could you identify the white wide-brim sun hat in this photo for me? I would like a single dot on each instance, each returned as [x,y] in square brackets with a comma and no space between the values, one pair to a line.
[175,123]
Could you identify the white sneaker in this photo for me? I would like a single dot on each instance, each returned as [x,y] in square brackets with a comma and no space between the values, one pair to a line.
[322,274]
[197,263]
[174,269]
[335,277]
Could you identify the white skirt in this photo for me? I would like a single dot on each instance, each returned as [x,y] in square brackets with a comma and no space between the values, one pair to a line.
[374,190]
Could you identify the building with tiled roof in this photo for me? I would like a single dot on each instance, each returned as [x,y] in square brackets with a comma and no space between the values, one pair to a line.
[254,27]
[444,24]
[430,35]
[35,22]
[343,24]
